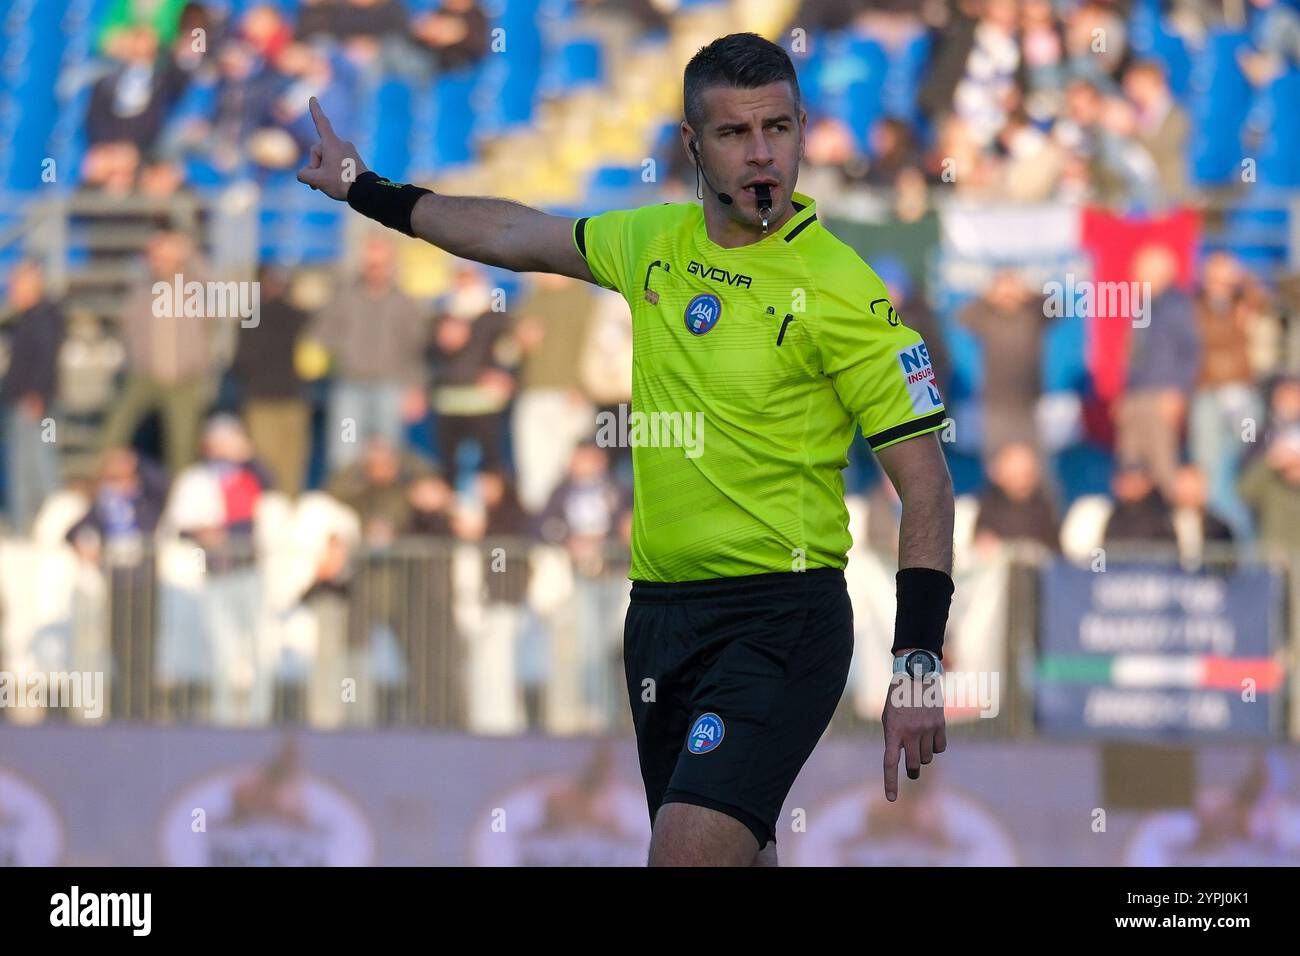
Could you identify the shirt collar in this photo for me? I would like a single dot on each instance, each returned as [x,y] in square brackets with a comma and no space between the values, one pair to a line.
[805,211]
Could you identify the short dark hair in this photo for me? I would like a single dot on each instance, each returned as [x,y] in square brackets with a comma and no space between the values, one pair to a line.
[742,60]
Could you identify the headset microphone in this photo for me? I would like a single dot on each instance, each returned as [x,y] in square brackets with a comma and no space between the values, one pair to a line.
[699,169]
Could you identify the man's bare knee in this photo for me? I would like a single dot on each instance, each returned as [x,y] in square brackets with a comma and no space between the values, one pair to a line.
[687,835]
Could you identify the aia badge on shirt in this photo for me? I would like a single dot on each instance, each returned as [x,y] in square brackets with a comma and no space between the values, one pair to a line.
[918,374]
[702,313]
[706,734]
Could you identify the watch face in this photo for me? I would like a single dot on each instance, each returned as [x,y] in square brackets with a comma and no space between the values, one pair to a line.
[919,664]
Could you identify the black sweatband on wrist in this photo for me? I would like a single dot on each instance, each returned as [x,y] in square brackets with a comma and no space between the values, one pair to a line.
[385,201]
[924,595]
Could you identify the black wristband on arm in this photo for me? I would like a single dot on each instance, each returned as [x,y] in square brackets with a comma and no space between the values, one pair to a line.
[924,595]
[385,201]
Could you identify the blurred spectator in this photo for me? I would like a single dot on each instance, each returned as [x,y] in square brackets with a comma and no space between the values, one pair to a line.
[430,500]
[1042,45]
[127,109]
[161,17]
[1016,507]
[1226,399]
[319,19]
[273,394]
[1271,487]
[218,133]
[989,87]
[1283,415]
[1033,163]
[213,503]
[116,535]
[893,149]
[375,35]
[1096,43]
[214,500]
[1195,525]
[551,414]
[833,153]
[27,394]
[1101,136]
[375,333]
[473,360]
[1009,321]
[1275,41]
[392,626]
[170,360]
[960,158]
[1162,127]
[1141,515]
[500,666]
[948,65]
[908,233]
[1128,174]
[370,20]
[288,131]
[266,32]
[606,363]
[376,488]
[586,515]
[126,504]
[454,36]
[1163,364]
[827,15]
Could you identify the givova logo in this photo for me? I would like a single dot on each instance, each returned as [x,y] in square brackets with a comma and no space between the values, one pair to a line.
[706,734]
[918,376]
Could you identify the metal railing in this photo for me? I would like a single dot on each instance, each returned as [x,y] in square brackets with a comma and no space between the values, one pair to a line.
[504,636]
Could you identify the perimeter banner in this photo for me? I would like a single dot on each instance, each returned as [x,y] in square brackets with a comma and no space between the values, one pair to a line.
[132,796]
[1149,651]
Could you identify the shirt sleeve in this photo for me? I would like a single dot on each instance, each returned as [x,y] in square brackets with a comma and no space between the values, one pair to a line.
[605,242]
[880,368]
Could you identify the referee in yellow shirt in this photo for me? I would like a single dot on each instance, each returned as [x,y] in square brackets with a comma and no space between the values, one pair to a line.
[761,342]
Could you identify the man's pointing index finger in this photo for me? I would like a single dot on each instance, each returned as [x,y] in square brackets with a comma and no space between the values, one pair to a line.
[323,127]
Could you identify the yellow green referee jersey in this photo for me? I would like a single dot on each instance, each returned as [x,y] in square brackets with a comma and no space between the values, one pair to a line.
[751,367]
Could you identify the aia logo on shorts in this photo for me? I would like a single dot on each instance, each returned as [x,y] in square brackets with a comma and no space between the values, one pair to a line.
[702,313]
[706,734]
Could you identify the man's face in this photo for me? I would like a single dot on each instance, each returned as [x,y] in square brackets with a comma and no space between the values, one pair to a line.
[748,137]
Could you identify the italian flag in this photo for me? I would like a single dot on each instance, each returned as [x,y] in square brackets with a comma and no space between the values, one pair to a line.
[1203,672]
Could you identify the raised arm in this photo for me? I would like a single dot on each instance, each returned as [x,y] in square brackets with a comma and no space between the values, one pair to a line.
[496,232]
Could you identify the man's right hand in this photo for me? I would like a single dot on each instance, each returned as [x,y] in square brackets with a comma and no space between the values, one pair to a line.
[334,164]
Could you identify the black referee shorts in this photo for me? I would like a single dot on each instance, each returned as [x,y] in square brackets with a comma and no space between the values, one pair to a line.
[732,682]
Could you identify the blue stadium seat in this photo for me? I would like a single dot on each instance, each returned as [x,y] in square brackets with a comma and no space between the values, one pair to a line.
[392,142]
[454,117]
[1279,114]
[903,78]
[576,64]
[1220,102]
[506,94]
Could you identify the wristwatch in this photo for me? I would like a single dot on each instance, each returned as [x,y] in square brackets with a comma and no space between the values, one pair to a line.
[918,664]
